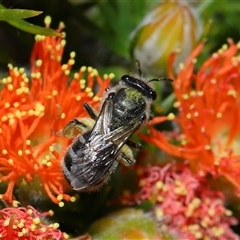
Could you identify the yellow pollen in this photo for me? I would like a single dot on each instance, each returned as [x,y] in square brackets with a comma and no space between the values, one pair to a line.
[228,213]
[56,225]
[30,211]
[105,76]
[20,152]
[11,121]
[218,231]
[61,204]
[10,161]
[36,221]
[54,92]
[207,147]
[59,58]
[39,63]
[66,236]
[82,82]
[176,104]
[211,212]
[27,151]
[191,106]
[51,148]
[10,66]
[72,54]
[47,21]
[6,222]
[16,203]
[225,46]
[171,116]
[4,118]
[189,116]
[63,115]
[64,67]
[83,69]
[6,104]
[38,75]
[193,93]
[67,72]
[111,75]
[73,199]
[43,229]
[33,227]
[90,94]
[58,47]
[89,69]
[71,62]
[16,104]
[4,152]
[31,112]
[185,96]
[215,55]
[159,184]
[219,115]
[194,61]
[200,93]
[95,72]
[60,197]
[76,75]
[49,164]
[63,42]
[51,212]
[196,114]
[181,66]
[96,98]
[232,92]
[21,70]
[10,87]
[159,213]
[203,129]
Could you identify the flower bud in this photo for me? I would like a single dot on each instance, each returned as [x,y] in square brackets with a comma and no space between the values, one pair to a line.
[170,26]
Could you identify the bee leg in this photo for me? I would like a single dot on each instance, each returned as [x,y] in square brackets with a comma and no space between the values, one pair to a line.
[90,111]
[137,146]
[126,157]
[75,127]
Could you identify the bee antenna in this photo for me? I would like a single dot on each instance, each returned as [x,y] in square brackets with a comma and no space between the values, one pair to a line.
[161,79]
[139,67]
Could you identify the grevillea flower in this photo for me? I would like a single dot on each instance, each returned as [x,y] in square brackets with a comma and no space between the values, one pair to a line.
[169,26]
[183,204]
[31,106]
[209,114]
[27,223]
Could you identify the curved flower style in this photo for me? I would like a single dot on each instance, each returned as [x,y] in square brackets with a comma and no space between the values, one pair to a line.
[183,204]
[209,114]
[27,223]
[30,107]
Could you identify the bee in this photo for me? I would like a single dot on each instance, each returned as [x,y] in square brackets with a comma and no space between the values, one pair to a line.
[102,141]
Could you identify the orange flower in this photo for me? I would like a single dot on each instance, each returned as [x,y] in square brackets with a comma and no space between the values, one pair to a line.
[28,112]
[27,223]
[209,114]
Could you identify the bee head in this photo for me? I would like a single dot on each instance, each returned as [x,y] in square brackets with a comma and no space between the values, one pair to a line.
[140,86]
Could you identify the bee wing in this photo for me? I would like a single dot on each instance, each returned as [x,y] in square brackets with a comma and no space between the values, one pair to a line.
[102,125]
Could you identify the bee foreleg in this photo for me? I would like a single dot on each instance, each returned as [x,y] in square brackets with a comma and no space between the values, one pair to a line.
[75,127]
[92,113]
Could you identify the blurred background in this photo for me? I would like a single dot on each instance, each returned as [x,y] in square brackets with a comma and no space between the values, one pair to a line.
[112,33]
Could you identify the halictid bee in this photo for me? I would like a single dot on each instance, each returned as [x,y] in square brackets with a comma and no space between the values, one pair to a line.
[102,141]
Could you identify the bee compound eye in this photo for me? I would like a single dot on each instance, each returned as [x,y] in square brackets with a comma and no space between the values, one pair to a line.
[153,95]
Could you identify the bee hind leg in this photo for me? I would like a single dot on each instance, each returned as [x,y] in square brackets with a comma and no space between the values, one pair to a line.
[131,144]
[126,157]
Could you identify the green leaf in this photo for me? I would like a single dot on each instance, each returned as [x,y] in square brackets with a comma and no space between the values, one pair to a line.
[31,28]
[15,14]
